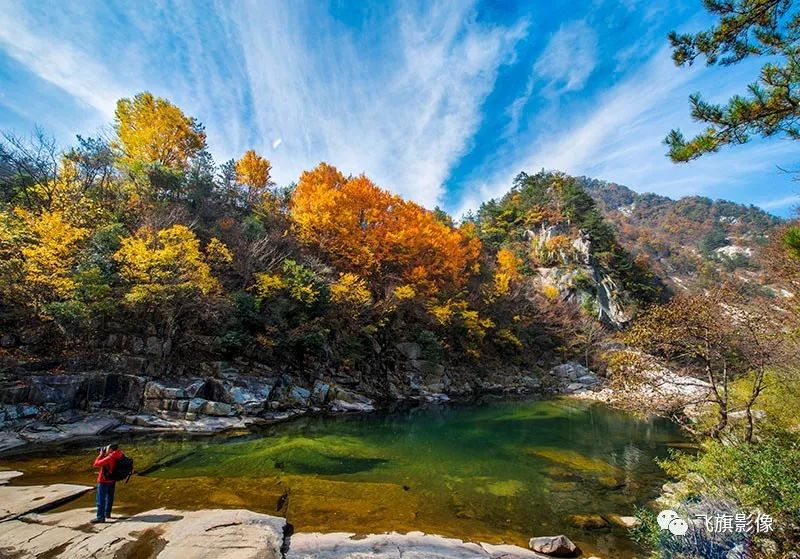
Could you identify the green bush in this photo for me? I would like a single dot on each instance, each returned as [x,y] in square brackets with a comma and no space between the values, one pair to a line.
[762,477]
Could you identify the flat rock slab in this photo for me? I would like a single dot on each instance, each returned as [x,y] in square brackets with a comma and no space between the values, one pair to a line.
[90,427]
[414,545]
[22,538]
[7,475]
[169,534]
[16,500]
[144,423]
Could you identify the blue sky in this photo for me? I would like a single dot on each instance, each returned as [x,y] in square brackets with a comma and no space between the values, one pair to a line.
[442,102]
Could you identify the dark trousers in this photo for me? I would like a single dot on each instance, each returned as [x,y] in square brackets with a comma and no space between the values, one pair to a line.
[105,499]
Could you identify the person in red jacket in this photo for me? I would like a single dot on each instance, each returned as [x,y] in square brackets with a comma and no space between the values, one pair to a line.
[106,461]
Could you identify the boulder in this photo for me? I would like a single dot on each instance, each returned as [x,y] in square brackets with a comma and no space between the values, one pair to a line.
[574,387]
[249,393]
[298,396]
[218,409]
[196,405]
[27,538]
[529,382]
[569,372]
[341,406]
[61,390]
[351,397]
[409,350]
[201,406]
[117,390]
[167,405]
[557,546]
[157,390]
[320,392]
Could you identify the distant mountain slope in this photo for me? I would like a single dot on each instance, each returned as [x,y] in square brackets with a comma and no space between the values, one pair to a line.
[692,238]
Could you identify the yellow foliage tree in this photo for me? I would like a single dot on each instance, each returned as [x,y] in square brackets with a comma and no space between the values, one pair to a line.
[49,256]
[252,171]
[350,290]
[268,284]
[507,271]
[161,266]
[152,130]
[378,235]
[218,254]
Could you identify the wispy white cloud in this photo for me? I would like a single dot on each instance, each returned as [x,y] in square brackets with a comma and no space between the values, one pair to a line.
[566,62]
[273,74]
[568,59]
[57,61]
[781,203]
[404,118]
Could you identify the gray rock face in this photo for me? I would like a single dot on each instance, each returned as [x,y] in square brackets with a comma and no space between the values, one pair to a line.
[557,546]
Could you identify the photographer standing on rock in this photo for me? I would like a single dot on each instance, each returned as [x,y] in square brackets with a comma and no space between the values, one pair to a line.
[107,462]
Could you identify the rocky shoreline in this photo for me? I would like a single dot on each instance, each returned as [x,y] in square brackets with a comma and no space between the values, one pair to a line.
[30,531]
[57,407]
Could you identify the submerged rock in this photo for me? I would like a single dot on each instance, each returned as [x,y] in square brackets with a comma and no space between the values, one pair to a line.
[588,521]
[623,521]
[557,546]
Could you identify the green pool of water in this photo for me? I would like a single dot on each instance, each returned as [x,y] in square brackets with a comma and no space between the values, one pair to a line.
[497,472]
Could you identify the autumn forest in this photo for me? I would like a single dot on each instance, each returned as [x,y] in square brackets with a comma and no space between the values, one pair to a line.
[143,231]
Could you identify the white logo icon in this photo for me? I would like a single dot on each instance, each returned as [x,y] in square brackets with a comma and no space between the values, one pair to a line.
[668,520]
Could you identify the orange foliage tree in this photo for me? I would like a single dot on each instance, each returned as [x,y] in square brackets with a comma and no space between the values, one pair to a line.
[368,231]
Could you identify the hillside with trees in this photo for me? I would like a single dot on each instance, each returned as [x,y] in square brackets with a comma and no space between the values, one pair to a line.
[142,236]
[693,242]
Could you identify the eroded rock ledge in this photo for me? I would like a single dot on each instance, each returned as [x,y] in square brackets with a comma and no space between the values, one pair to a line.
[212,534]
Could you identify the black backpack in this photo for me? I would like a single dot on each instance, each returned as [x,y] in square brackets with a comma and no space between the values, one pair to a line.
[123,469]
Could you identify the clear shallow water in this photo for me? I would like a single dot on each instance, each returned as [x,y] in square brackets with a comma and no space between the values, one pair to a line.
[497,472]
